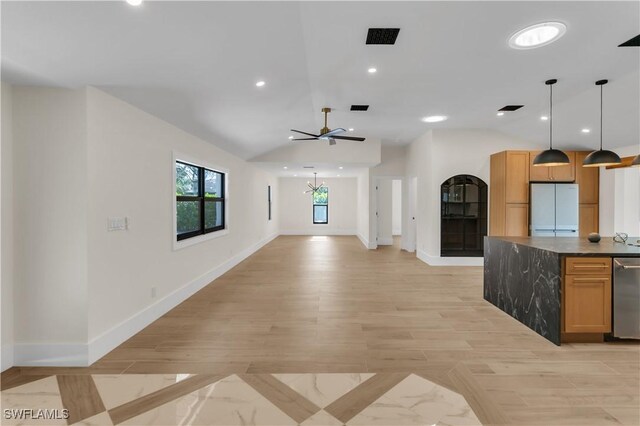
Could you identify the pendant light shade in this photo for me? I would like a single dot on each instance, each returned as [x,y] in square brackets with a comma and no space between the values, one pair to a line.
[551,157]
[601,157]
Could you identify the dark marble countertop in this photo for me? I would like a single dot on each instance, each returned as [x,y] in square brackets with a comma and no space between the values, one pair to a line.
[577,246]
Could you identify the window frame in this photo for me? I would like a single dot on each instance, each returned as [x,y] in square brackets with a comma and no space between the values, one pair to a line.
[202,234]
[314,205]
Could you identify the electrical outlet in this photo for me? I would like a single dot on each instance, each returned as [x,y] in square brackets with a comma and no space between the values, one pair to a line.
[117,224]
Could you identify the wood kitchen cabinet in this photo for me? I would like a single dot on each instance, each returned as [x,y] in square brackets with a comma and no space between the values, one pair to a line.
[588,180]
[553,174]
[588,219]
[512,172]
[587,295]
[517,220]
[509,186]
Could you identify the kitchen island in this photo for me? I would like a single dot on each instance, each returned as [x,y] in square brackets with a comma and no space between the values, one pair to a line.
[558,287]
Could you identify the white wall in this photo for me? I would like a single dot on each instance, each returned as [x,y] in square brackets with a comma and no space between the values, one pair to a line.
[432,159]
[296,211]
[80,290]
[6,228]
[50,222]
[396,207]
[619,197]
[364,209]
[385,211]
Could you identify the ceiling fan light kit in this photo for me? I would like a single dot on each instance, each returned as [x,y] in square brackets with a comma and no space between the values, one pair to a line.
[601,157]
[551,157]
[326,133]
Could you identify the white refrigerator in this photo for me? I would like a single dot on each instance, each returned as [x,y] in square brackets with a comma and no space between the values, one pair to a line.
[554,210]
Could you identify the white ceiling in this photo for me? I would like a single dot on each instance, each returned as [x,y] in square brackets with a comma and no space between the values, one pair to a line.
[195,65]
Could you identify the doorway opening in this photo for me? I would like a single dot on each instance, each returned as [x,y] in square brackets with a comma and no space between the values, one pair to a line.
[463,216]
[389,212]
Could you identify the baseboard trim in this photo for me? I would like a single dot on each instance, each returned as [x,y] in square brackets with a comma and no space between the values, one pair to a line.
[319,231]
[385,241]
[366,243]
[82,355]
[6,361]
[50,355]
[449,261]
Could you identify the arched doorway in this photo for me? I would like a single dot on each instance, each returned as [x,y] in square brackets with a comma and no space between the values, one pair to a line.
[463,216]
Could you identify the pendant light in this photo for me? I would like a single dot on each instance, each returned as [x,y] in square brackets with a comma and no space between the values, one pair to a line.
[602,157]
[551,157]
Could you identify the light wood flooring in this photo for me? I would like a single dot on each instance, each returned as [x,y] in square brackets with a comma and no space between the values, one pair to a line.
[327,305]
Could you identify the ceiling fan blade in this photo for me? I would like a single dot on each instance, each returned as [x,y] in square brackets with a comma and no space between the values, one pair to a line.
[305,139]
[333,132]
[305,133]
[349,138]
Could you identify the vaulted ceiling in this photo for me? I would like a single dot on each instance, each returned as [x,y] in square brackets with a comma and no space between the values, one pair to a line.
[195,64]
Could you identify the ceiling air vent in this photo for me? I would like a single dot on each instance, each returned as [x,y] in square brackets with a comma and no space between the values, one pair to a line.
[359,107]
[382,35]
[633,42]
[308,167]
[511,108]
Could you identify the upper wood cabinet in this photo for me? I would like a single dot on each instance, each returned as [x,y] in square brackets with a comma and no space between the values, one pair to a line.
[553,174]
[588,180]
[517,177]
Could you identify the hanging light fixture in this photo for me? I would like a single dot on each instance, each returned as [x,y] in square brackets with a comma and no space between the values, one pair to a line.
[602,157]
[551,157]
[314,187]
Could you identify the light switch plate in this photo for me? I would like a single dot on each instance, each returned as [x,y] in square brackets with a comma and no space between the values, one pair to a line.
[117,224]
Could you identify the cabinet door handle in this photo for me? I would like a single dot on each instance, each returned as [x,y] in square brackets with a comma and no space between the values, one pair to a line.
[603,265]
[591,280]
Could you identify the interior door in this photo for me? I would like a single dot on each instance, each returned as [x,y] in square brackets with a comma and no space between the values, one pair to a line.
[543,216]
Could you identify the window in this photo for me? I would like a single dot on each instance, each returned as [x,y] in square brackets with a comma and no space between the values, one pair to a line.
[321,206]
[200,202]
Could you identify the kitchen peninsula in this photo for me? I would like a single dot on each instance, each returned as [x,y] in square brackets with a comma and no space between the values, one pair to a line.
[559,287]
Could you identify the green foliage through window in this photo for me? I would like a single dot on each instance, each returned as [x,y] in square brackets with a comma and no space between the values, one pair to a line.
[200,200]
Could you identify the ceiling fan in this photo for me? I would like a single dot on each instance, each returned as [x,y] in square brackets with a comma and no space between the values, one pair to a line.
[327,134]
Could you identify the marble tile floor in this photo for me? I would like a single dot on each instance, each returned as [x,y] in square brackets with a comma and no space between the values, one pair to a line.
[391,399]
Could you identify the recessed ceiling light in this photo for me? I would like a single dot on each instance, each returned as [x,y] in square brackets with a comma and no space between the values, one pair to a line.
[500,114]
[295,175]
[134,2]
[351,129]
[544,118]
[338,175]
[372,70]
[537,35]
[285,167]
[434,118]
[260,83]
[290,137]
[586,130]
[341,167]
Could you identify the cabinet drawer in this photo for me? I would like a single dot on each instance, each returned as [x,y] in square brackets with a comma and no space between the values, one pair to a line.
[588,266]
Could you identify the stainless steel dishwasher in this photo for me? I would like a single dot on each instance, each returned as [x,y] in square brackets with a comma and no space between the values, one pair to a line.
[626,297]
